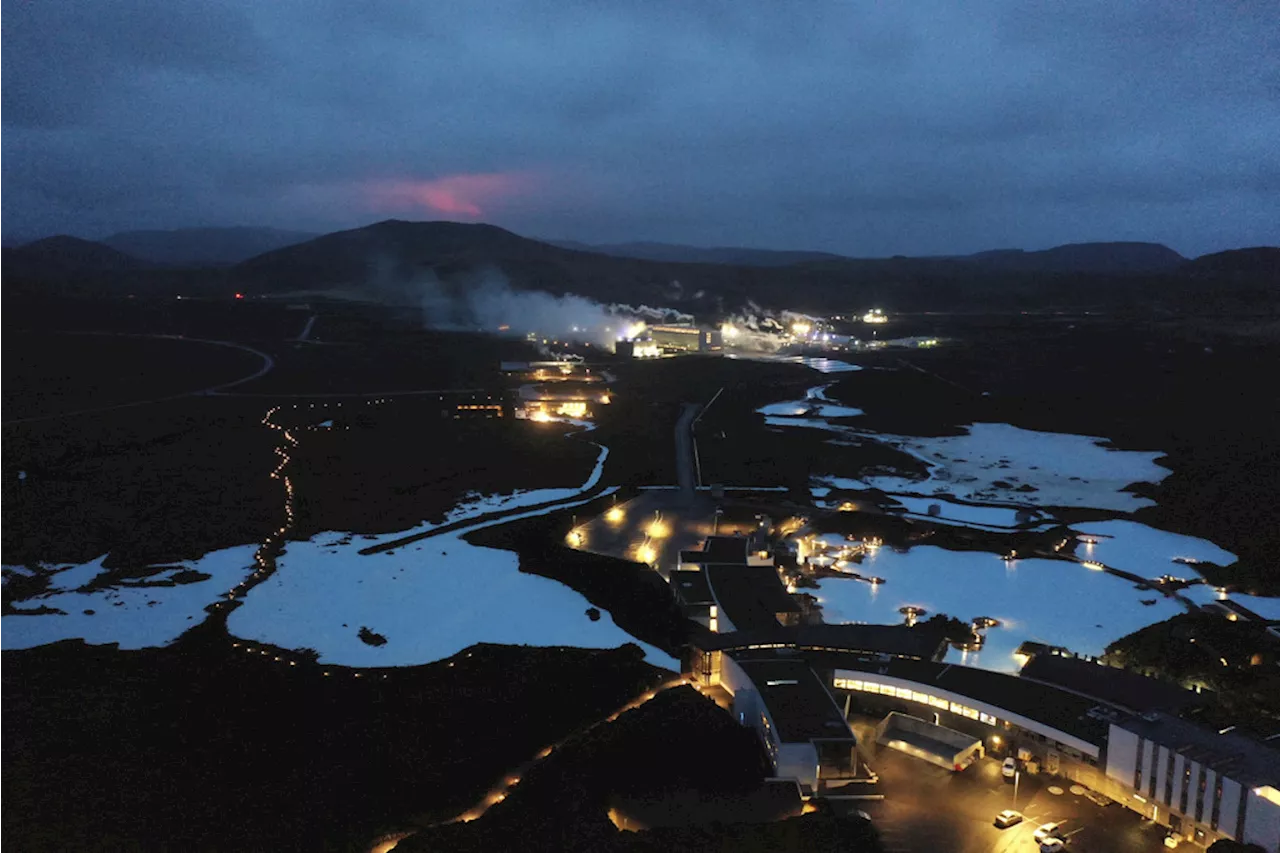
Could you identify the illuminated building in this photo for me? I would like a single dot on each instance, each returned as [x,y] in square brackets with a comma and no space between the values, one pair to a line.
[803,731]
[686,338]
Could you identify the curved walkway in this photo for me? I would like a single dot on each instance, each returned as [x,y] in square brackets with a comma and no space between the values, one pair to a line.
[267,364]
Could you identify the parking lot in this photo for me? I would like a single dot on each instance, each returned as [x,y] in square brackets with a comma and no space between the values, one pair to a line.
[927,808]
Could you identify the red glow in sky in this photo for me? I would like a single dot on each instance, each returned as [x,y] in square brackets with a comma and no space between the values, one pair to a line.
[457,195]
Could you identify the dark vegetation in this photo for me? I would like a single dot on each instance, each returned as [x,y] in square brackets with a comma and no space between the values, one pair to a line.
[387,467]
[677,740]
[200,746]
[50,374]
[1190,649]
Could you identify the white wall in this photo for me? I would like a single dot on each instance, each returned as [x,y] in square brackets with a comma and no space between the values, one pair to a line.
[1262,823]
[1122,755]
[1230,806]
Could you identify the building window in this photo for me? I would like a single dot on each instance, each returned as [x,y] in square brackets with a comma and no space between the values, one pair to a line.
[1200,796]
[987,718]
[1216,812]
[1168,779]
[1244,800]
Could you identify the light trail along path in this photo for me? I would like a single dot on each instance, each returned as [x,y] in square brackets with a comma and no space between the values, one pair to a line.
[510,780]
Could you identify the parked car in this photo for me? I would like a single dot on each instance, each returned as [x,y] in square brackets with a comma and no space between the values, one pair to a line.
[1171,840]
[1052,845]
[1010,768]
[1047,831]
[1008,818]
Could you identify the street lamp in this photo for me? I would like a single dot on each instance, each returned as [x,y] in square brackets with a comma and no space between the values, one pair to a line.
[1017,774]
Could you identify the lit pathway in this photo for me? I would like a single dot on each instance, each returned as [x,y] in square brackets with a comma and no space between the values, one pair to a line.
[500,791]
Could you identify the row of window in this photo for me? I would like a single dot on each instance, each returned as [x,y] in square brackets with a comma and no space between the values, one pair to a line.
[914,696]
[1148,752]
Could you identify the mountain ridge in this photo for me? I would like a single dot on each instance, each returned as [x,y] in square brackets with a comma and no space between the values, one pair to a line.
[215,246]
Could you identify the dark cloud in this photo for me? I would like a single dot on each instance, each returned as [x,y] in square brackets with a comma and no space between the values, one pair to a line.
[922,127]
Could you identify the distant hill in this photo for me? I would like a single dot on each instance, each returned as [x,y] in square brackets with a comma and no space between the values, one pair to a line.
[1084,258]
[676,253]
[1258,261]
[389,260]
[204,246]
[63,253]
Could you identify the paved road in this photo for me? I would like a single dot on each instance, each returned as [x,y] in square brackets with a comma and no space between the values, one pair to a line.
[685,474]
[927,808]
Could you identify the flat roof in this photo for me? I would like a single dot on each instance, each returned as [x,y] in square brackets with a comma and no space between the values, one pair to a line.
[1231,754]
[1043,703]
[750,596]
[813,641]
[691,586]
[1108,683]
[801,708]
[725,549]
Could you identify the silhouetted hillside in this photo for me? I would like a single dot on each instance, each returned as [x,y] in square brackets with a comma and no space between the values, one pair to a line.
[697,255]
[1084,258]
[204,246]
[1258,261]
[389,260]
[63,252]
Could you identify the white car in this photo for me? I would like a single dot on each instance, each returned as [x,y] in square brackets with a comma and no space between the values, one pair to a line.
[1008,818]
[1052,845]
[1009,769]
[1047,831]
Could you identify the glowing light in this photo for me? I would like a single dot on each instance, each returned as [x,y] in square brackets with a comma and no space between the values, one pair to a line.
[634,330]
[800,329]
[729,331]
[646,554]
[658,529]
[575,538]
[1093,564]
[466,195]
[572,410]
[614,515]
[541,416]
[875,315]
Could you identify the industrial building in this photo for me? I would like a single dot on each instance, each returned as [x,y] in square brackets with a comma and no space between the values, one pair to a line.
[685,338]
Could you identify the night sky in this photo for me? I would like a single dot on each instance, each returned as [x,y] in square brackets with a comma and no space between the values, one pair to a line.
[866,128]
